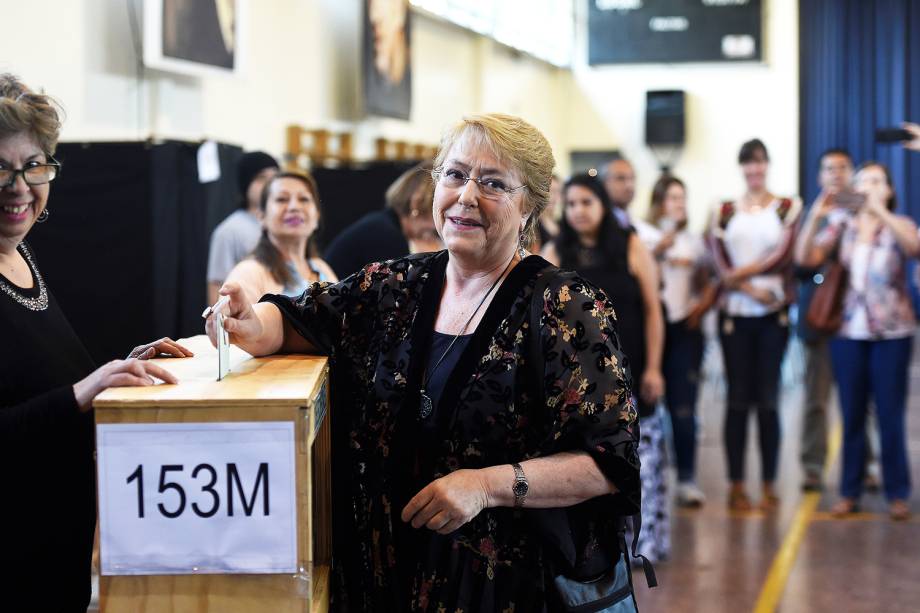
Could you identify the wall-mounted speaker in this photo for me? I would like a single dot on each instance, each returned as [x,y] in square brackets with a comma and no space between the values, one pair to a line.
[664,117]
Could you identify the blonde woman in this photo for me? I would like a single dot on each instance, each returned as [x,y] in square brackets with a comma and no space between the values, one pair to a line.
[443,455]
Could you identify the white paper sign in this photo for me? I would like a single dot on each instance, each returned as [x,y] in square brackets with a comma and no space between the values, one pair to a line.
[208,162]
[197,498]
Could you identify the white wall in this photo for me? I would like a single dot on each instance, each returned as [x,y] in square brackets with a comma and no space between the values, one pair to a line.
[303,68]
[727,104]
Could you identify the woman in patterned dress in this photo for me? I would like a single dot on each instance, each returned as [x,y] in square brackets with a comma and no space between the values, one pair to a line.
[434,431]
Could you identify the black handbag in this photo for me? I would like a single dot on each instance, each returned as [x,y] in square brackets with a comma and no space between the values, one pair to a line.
[612,590]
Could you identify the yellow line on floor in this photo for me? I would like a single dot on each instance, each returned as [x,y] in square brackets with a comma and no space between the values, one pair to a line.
[864,516]
[775,584]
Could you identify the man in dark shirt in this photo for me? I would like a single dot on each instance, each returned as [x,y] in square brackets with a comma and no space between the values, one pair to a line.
[404,226]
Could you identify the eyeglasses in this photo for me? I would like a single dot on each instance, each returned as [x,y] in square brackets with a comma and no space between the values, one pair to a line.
[489,187]
[33,173]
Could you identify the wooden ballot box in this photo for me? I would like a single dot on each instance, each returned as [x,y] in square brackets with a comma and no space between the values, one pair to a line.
[214,496]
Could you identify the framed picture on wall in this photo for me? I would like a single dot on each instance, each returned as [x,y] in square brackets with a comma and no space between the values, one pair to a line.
[196,37]
[386,58]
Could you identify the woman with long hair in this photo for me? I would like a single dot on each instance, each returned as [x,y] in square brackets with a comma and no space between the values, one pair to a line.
[593,244]
[687,292]
[751,239]
[873,346]
[284,260]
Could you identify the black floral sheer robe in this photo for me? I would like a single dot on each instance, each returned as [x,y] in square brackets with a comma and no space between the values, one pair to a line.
[376,326]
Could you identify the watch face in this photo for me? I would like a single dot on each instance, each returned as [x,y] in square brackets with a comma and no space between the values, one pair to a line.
[520,488]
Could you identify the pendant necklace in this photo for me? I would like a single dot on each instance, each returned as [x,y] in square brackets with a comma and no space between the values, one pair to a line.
[426,406]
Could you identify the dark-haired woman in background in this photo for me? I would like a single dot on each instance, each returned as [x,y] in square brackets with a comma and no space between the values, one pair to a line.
[688,291]
[874,344]
[281,263]
[751,240]
[591,243]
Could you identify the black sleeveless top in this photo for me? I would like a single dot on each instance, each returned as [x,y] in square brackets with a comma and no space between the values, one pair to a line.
[609,270]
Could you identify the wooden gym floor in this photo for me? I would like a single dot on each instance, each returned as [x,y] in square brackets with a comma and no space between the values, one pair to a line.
[799,559]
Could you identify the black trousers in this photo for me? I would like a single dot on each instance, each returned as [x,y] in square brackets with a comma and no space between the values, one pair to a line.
[753,349]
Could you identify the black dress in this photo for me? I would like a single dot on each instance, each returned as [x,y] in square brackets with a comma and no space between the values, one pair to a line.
[609,269]
[48,509]
[377,326]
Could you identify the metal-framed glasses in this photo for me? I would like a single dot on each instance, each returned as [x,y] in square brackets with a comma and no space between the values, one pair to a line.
[33,173]
[493,188]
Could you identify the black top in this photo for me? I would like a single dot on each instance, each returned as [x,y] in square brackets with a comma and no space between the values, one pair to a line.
[376,237]
[46,457]
[611,273]
[437,377]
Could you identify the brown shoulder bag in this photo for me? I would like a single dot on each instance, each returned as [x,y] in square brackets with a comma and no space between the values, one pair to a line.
[825,312]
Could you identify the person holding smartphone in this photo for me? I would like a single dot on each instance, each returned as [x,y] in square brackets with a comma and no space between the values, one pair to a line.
[835,172]
[914,131]
[873,347]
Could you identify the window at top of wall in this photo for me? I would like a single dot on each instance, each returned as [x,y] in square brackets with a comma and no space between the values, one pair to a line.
[544,29]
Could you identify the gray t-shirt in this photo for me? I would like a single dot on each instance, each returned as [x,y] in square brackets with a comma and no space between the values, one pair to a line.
[233,239]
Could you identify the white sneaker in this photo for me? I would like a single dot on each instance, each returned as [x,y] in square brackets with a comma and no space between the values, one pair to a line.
[689,495]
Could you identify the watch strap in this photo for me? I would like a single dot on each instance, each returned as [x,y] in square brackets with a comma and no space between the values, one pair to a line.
[520,483]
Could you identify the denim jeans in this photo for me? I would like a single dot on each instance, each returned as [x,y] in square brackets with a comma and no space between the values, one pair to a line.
[879,368]
[683,354]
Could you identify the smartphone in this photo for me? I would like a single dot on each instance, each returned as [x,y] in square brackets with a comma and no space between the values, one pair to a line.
[849,199]
[892,135]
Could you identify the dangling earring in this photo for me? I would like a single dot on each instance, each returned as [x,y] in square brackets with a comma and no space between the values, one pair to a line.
[43,216]
[521,251]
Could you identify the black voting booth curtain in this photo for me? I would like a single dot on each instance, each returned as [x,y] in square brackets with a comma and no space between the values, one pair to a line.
[350,192]
[125,249]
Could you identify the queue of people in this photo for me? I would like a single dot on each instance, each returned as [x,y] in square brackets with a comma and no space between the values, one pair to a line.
[495,406]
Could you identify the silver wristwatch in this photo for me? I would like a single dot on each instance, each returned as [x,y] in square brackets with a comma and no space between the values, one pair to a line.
[519,487]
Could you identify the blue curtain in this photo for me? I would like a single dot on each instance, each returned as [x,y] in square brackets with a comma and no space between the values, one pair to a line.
[859,70]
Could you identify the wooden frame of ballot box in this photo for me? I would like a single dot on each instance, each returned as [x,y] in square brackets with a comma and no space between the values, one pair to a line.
[280,388]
